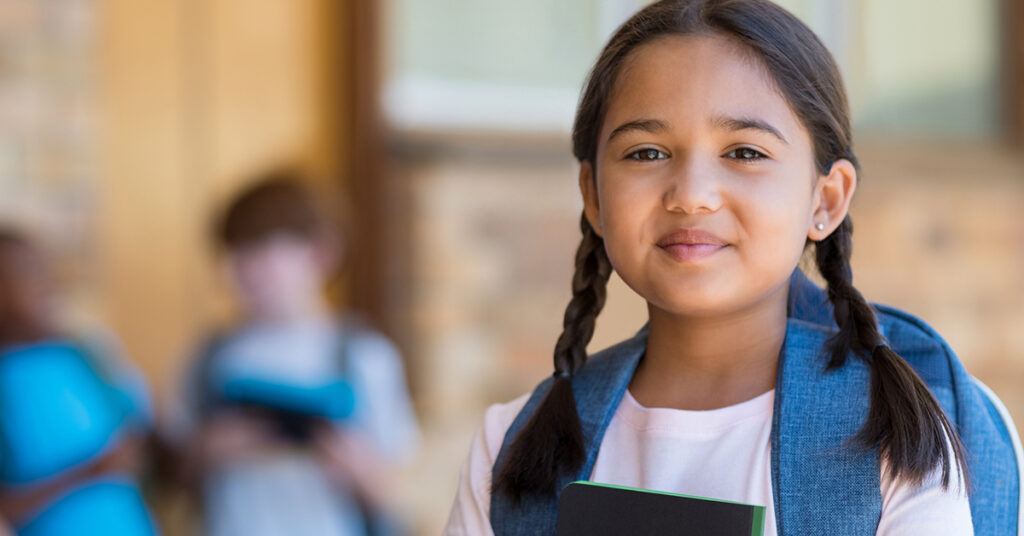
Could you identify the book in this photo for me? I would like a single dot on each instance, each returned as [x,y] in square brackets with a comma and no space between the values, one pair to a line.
[592,509]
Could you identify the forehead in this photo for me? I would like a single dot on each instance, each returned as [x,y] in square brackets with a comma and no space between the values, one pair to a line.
[695,78]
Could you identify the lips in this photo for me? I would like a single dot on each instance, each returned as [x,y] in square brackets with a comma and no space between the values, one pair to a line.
[691,244]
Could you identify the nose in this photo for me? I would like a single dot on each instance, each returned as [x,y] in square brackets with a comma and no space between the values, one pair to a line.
[692,187]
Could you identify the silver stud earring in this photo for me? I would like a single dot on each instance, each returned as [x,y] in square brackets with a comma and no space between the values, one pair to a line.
[819,226]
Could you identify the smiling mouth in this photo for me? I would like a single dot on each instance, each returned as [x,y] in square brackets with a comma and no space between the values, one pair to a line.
[691,252]
[687,245]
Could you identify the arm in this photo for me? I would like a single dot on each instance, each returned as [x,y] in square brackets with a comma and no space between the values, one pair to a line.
[225,436]
[351,459]
[368,450]
[471,512]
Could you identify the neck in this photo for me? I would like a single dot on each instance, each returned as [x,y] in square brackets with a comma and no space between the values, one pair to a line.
[702,363]
[296,313]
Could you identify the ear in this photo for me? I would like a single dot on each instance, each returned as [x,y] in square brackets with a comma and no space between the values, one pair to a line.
[832,196]
[591,204]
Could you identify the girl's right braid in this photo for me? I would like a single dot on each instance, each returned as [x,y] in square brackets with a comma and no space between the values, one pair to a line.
[904,420]
[589,289]
[551,443]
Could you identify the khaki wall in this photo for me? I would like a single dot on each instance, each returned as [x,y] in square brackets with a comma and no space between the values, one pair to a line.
[195,95]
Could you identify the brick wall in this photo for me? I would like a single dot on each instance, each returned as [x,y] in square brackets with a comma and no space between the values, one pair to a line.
[493,239]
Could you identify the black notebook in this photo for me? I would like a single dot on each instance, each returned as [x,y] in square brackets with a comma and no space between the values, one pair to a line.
[591,509]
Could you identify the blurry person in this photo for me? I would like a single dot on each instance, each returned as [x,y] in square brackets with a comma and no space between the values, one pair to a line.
[296,417]
[72,414]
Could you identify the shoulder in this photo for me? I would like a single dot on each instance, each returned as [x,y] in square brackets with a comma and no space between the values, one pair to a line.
[497,420]
[371,357]
[364,340]
[470,513]
[908,331]
[371,344]
[919,344]
[483,452]
[909,336]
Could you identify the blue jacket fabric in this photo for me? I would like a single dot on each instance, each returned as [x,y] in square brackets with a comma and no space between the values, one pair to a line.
[820,484]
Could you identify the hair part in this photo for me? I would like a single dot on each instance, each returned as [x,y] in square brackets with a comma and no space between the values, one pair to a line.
[904,421]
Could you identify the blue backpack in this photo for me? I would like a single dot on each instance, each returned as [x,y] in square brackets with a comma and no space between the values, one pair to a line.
[58,414]
[333,398]
[819,483]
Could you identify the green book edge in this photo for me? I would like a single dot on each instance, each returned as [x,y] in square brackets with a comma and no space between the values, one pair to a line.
[759,511]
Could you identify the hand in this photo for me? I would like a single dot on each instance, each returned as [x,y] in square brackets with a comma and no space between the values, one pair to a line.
[350,458]
[230,434]
[123,457]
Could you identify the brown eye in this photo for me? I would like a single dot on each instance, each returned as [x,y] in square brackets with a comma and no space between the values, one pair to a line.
[745,153]
[647,155]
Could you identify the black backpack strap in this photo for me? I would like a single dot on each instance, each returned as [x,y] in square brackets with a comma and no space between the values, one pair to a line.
[201,375]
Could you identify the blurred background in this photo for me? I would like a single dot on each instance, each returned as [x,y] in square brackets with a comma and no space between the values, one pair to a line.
[443,126]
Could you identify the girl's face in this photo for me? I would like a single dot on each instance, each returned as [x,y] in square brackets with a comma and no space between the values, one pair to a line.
[704,186]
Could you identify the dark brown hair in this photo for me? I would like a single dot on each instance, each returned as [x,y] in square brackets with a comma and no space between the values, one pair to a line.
[904,421]
[277,202]
[25,285]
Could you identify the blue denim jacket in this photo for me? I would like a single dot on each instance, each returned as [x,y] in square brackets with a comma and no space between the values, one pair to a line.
[820,484]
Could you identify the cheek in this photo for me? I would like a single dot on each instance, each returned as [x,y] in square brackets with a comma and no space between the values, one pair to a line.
[775,220]
[626,207]
[296,273]
[248,275]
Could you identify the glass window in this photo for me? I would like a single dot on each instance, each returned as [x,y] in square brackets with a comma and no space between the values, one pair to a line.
[912,67]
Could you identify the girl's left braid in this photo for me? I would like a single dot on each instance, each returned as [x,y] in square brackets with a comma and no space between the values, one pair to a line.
[904,419]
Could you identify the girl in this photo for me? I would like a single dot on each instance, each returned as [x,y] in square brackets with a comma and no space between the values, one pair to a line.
[715,146]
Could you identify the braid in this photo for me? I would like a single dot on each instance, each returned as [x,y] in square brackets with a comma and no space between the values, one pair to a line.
[551,443]
[589,289]
[904,419]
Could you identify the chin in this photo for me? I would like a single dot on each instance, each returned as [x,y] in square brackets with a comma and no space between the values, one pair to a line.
[706,302]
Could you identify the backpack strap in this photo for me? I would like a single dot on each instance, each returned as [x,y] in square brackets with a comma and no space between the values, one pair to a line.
[988,435]
[351,327]
[598,387]
[1006,486]
[201,375]
[820,485]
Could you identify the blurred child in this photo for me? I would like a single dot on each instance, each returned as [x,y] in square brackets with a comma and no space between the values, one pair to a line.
[72,414]
[296,417]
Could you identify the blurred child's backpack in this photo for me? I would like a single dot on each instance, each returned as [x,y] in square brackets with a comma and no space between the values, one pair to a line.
[57,414]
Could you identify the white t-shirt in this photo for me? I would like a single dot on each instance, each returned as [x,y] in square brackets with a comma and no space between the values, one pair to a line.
[722,453]
[287,491]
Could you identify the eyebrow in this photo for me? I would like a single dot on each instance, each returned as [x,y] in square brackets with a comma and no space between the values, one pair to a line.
[643,125]
[748,123]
